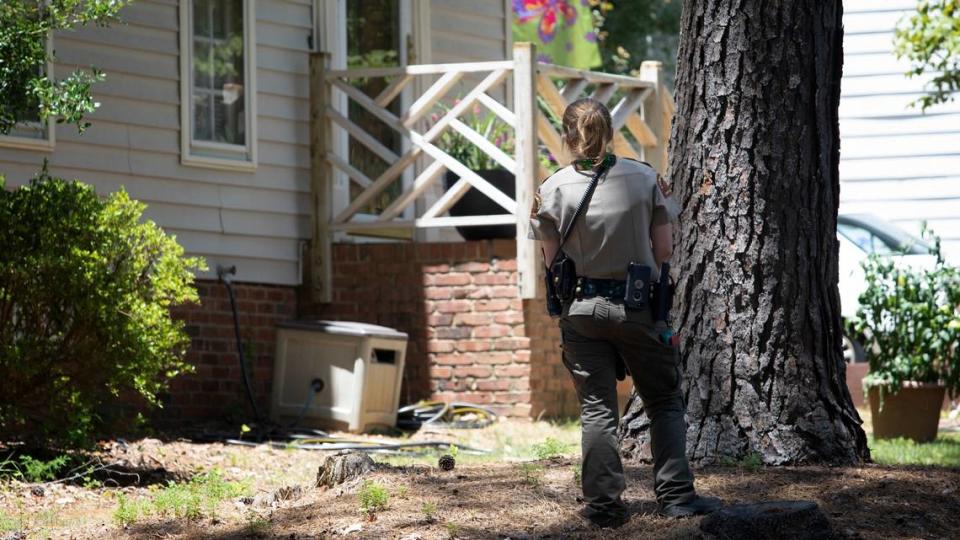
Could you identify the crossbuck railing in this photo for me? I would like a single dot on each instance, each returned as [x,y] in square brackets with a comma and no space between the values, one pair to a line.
[641,118]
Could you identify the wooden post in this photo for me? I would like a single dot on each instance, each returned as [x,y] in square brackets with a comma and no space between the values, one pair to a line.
[525,110]
[652,71]
[321,174]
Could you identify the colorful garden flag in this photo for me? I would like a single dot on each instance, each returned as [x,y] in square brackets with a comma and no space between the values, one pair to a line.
[562,30]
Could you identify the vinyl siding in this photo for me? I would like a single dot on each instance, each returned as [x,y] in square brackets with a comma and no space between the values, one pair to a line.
[895,162]
[254,220]
[468,31]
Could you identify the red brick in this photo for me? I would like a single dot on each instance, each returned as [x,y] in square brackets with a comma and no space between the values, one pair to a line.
[473,267]
[474,345]
[455,306]
[441,372]
[436,346]
[494,384]
[451,359]
[482,398]
[504,292]
[492,279]
[480,372]
[438,293]
[439,319]
[492,331]
[493,358]
[479,293]
[456,332]
[509,317]
[507,264]
[492,305]
[473,319]
[451,279]
[512,371]
[511,344]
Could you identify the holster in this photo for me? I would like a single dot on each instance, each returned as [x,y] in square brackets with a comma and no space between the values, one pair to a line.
[663,295]
[560,282]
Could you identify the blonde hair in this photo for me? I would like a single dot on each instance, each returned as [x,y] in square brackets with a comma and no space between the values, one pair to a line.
[587,129]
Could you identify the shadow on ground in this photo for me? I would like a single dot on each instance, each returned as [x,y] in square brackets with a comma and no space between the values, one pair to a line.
[540,501]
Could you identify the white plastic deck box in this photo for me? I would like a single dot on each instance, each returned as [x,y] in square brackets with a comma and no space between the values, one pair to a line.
[357,367]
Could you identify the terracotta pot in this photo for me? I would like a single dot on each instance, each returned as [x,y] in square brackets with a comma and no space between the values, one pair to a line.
[913,412]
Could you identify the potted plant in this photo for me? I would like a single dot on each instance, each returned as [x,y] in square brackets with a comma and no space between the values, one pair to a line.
[910,318]
[474,202]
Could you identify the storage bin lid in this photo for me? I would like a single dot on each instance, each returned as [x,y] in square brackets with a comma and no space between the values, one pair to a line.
[345,328]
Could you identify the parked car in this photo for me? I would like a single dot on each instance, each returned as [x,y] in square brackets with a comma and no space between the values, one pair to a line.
[861,235]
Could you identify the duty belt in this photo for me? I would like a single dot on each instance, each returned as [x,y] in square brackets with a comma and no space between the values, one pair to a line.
[607,288]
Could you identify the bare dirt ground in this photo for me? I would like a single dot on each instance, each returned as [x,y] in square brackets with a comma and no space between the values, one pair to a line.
[507,495]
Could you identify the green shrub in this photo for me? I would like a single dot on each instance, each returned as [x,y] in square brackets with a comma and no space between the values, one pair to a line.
[373,497]
[85,291]
[550,448]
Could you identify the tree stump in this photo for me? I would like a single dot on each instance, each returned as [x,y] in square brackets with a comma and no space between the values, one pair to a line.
[793,520]
[339,468]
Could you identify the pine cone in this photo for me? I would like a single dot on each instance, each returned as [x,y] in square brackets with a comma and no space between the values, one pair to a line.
[447,462]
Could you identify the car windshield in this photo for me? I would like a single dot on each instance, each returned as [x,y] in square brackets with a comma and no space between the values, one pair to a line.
[874,235]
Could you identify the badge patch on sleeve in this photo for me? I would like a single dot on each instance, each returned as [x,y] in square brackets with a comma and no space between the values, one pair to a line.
[537,202]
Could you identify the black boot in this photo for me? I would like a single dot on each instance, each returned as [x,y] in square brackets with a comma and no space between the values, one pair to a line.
[694,507]
[604,520]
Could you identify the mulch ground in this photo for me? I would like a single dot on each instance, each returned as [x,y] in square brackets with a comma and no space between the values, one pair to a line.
[475,500]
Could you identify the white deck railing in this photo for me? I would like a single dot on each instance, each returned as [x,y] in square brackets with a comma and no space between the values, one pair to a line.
[641,118]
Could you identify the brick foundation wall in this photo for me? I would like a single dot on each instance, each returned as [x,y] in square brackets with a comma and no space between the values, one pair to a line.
[215,391]
[471,336]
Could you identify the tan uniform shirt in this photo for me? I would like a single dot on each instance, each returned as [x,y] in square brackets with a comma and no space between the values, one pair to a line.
[614,230]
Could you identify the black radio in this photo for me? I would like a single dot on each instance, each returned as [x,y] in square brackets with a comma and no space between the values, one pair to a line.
[637,293]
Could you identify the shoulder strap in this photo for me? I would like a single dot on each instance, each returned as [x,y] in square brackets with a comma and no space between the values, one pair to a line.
[584,203]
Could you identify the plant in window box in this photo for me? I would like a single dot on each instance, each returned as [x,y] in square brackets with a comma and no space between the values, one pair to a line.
[910,318]
[474,202]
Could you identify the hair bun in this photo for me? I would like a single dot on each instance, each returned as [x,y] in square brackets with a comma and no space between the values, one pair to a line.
[587,129]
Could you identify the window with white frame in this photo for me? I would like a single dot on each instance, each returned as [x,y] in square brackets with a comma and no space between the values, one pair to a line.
[32,133]
[217,78]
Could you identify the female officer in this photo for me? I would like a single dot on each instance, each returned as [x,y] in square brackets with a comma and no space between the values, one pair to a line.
[627,220]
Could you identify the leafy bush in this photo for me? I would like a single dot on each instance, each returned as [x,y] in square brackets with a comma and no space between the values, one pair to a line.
[85,292]
[910,318]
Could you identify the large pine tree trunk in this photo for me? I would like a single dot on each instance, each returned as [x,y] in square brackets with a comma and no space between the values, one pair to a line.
[754,163]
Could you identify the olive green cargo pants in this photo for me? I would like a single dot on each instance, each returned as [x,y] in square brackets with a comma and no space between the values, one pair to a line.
[595,332]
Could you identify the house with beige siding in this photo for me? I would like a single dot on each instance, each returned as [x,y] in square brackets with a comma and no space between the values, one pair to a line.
[204,116]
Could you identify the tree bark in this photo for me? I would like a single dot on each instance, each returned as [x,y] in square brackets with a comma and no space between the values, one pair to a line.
[754,164]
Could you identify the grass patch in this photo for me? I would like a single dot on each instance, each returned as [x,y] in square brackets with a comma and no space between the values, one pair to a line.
[190,500]
[751,463]
[943,452]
